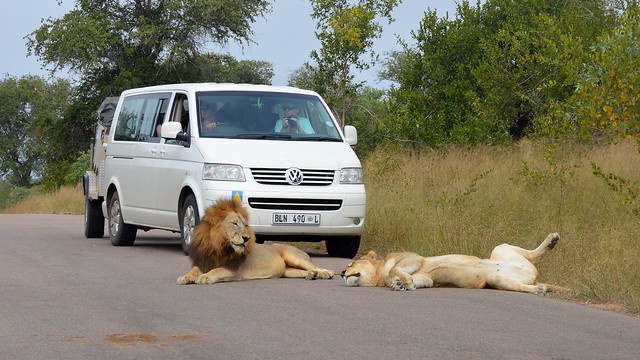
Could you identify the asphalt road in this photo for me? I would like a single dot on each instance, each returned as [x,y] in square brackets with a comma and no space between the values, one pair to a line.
[63,296]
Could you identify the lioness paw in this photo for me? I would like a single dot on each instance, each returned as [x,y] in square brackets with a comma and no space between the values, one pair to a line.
[542,289]
[397,284]
[312,275]
[555,237]
[316,274]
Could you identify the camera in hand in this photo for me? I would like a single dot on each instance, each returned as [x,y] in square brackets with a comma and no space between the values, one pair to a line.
[292,121]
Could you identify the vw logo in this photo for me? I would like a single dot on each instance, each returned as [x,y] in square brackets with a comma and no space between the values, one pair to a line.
[294,176]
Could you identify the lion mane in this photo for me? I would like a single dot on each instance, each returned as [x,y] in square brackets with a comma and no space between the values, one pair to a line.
[224,248]
[210,247]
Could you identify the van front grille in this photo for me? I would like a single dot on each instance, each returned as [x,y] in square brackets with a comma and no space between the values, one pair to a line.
[295,204]
[278,177]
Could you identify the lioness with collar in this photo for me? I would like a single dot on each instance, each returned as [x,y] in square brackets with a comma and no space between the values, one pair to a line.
[509,268]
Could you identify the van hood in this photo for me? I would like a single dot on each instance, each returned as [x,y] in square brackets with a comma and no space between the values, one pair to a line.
[251,153]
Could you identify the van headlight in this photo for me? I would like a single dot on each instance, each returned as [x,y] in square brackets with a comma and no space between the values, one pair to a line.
[223,172]
[351,176]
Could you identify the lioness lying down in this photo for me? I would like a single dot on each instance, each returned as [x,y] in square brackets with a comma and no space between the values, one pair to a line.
[508,268]
[223,248]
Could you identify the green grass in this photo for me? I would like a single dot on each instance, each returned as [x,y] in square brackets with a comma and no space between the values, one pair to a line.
[470,200]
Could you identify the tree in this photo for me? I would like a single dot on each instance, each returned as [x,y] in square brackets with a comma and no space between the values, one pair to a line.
[223,68]
[346,31]
[30,109]
[115,45]
[119,44]
[535,56]
[436,90]
[605,104]
[487,74]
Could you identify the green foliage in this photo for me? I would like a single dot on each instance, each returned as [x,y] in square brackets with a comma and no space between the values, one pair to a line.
[78,169]
[627,189]
[222,68]
[435,83]
[366,112]
[605,104]
[32,135]
[66,173]
[10,194]
[486,75]
[129,40]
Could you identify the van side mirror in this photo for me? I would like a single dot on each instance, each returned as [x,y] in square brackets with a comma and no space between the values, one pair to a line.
[173,131]
[351,134]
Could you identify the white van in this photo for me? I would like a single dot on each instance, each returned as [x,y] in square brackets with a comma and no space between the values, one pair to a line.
[278,150]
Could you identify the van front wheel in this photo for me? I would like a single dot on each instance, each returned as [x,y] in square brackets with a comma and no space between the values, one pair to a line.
[343,246]
[190,217]
[120,234]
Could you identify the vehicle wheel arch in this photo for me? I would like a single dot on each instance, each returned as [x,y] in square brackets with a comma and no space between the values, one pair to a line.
[188,198]
[186,191]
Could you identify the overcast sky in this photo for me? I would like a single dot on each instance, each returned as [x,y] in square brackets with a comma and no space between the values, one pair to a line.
[285,37]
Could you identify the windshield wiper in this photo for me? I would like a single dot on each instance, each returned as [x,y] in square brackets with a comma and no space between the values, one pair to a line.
[318,138]
[271,136]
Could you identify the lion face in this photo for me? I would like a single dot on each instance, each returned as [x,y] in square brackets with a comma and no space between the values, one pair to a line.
[359,273]
[236,230]
[223,235]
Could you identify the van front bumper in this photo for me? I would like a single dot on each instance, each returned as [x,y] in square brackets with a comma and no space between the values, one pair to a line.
[347,219]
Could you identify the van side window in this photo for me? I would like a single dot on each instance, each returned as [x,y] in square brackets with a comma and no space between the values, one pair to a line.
[154,111]
[128,118]
[180,113]
[139,116]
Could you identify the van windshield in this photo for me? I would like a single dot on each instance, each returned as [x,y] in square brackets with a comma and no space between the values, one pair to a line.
[264,115]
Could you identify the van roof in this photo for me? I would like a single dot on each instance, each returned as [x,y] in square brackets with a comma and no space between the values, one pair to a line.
[196,87]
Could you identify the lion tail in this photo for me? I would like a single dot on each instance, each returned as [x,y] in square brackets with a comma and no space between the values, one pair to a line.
[555,288]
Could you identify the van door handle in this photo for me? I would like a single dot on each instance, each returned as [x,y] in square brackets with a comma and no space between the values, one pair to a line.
[154,151]
[162,151]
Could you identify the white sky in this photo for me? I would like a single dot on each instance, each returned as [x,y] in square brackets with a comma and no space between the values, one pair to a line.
[285,37]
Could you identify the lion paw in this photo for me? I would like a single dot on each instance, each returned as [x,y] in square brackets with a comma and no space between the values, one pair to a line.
[203,279]
[555,237]
[397,284]
[542,289]
[323,274]
[184,280]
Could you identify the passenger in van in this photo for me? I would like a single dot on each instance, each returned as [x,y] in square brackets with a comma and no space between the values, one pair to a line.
[292,123]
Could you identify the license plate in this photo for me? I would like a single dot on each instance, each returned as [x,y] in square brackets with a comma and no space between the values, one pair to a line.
[295,219]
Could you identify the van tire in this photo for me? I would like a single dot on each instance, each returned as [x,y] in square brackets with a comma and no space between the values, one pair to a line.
[120,234]
[189,219]
[343,246]
[93,218]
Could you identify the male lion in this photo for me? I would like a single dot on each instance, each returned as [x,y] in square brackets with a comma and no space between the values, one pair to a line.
[508,268]
[223,248]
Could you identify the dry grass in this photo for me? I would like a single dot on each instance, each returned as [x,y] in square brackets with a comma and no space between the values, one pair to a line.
[469,201]
[68,200]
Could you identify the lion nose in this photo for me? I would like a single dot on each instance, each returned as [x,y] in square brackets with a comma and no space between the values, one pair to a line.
[344,274]
[246,239]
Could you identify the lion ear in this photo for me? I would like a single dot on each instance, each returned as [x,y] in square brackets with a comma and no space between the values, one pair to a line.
[371,255]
